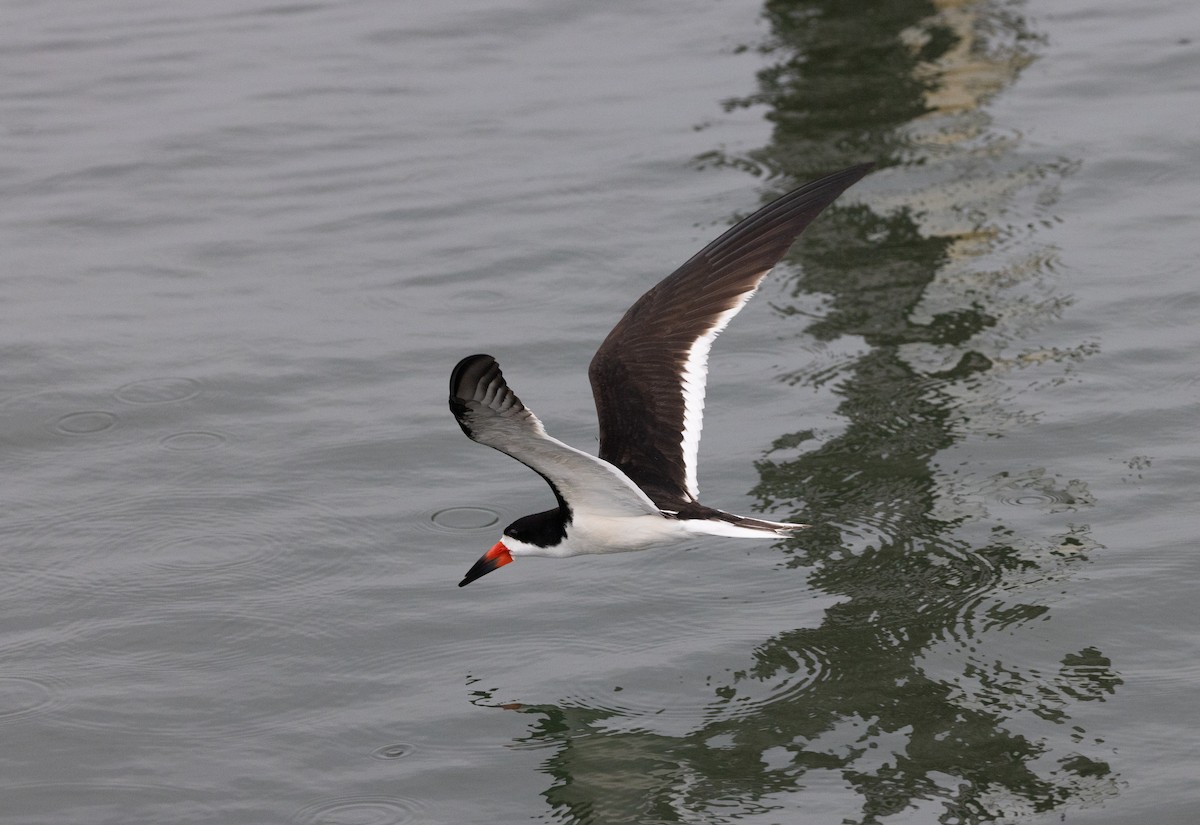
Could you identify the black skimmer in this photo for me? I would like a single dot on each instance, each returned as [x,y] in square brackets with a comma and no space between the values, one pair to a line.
[648,380]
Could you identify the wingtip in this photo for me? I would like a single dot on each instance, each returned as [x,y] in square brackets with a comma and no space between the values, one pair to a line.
[859,169]
[464,380]
[469,368]
[842,179]
[835,183]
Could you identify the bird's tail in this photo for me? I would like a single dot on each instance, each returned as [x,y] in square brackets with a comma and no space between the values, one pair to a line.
[720,523]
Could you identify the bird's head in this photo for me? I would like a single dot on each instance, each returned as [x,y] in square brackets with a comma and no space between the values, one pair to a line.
[538,535]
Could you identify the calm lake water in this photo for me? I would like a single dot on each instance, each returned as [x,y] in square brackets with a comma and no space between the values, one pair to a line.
[245,242]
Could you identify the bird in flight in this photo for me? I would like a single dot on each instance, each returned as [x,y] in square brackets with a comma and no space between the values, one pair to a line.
[648,380]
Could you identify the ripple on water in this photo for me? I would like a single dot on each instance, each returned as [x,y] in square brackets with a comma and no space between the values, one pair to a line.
[797,671]
[81,414]
[158,391]
[395,751]
[192,441]
[868,531]
[945,589]
[1036,488]
[63,420]
[30,418]
[358,810]
[85,422]
[26,695]
[465,518]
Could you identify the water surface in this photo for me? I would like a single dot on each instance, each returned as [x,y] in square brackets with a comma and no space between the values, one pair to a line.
[246,243]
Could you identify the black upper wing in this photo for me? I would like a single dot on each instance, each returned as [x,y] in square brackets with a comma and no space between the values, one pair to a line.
[648,377]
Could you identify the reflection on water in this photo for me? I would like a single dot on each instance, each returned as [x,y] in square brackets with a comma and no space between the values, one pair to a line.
[900,702]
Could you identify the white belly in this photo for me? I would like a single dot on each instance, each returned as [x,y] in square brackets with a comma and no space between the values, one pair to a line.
[618,534]
[590,534]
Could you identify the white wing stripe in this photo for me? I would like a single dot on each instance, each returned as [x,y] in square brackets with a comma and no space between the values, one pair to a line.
[692,385]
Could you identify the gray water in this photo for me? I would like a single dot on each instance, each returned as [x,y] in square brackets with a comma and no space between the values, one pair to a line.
[244,243]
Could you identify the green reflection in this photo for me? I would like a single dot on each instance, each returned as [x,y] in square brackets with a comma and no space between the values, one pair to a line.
[901,706]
